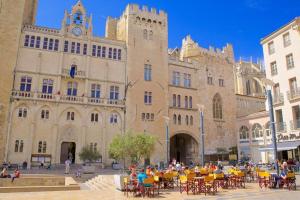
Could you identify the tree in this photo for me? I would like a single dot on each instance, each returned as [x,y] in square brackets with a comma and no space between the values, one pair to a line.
[88,154]
[131,146]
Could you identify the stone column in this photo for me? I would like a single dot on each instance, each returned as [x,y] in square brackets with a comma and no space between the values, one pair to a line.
[54,153]
[30,143]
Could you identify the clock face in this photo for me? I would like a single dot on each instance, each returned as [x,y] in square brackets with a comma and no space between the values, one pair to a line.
[77,31]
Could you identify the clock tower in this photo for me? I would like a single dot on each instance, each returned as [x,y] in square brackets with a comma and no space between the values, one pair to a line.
[77,23]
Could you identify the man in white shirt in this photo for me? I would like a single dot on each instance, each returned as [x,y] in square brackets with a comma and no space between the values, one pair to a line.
[67,165]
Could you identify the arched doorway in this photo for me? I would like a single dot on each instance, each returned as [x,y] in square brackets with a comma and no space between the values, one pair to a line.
[67,151]
[184,148]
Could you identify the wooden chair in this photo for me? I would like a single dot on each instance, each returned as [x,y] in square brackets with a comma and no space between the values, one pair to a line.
[149,186]
[209,185]
[264,179]
[220,180]
[240,179]
[157,184]
[168,180]
[289,182]
[129,187]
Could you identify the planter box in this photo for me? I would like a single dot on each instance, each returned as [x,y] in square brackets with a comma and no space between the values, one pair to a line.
[119,181]
[89,169]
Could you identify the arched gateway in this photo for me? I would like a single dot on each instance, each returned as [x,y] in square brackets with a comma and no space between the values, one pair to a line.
[184,148]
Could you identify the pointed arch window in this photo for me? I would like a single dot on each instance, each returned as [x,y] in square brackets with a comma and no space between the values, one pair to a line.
[174,119]
[244,133]
[217,107]
[77,18]
[257,131]
[179,119]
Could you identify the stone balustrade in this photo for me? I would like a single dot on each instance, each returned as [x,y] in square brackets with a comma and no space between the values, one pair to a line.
[80,74]
[294,94]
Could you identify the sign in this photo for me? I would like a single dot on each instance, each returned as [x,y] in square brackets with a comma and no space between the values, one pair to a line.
[290,137]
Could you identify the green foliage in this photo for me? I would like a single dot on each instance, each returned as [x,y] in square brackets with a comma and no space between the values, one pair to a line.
[221,150]
[88,154]
[131,146]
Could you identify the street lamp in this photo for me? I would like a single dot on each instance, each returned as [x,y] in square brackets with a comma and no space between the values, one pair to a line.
[201,109]
[167,119]
[268,85]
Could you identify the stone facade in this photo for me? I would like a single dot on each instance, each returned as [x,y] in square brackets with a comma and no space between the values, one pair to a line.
[73,89]
[13,15]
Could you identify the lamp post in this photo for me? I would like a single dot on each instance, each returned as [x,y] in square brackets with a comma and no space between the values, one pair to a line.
[167,119]
[201,131]
[269,84]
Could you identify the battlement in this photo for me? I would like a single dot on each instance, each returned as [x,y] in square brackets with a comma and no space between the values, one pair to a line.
[144,10]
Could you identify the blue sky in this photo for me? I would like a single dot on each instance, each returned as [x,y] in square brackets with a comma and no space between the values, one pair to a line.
[210,22]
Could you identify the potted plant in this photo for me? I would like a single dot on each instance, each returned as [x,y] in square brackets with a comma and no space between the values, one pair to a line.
[89,156]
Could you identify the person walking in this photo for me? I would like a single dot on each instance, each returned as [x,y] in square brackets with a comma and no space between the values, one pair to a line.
[67,166]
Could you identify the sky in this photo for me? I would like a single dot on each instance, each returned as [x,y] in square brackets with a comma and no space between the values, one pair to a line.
[209,22]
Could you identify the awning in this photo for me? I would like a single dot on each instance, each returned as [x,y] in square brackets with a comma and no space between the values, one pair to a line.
[282,146]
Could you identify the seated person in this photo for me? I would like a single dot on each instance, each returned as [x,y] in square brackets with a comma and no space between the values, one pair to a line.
[218,170]
[132,174]
[141,177]
[15,175]
[4,173]
[148,171]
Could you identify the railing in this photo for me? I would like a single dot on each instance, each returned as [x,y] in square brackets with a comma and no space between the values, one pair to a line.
[66,72]
[293,94]
[295,124]
[96,100]
[280,127]
[278,99]
[22,94]
[45,96]
[115,102]
[71,98]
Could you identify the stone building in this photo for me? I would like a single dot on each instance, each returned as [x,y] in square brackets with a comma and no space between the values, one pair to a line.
[13,15]
[73,89]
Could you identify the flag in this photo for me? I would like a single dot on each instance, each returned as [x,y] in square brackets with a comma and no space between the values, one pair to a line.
[73,71]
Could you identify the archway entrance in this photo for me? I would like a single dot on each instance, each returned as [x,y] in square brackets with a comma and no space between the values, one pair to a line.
[184,148]
[67,151]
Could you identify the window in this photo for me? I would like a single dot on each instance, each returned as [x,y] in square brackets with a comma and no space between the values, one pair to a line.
[70,116]
[72,89]
[186,102]
[119,54]
[42,147]
[244,133]
[187,80]
[50,44]
[179,119]
[289,61]
[115,54]
[38,42]
[78,48]
[178,101]
[145,34]
[114,92]
[257,131]
[56,43]
[187,120]
[151,35]
[210,80]
[152,117]
[148,98]
[143,116]
[286,40]
[98,51]
[103,52]
[271,48]
[19,145]
[293,86]
[66,46]
[95,91]
[94,117]
[248,87]
[191,120]
[221,82]
[273,68]
[45,114]
[147,72]
[32,40]
[26,41]
[73,47]
[113,118]
[45,44]
[47,86]
[267,129]
[190,102]
[22,113]
[174,100]
[217,107]
[174,119]
[176,78]
[84,49]
[25,85]
[93,147]
[110,53]
[94,50]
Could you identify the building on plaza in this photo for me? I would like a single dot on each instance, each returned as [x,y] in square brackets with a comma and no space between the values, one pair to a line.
[72,89]
[13,15]
[282,60]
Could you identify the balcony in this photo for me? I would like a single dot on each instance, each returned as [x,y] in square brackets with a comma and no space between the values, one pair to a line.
[79,74]
[280,127]
[294,94]
[115,102]
[278,99]
[22,94]
[295,124]
[45,96]
[72,99]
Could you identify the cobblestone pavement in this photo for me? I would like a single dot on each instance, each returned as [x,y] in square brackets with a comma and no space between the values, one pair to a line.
[252,191]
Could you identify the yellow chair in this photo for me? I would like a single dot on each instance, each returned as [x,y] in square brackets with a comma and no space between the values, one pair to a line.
[209,185]
[203,171]
[291,175]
